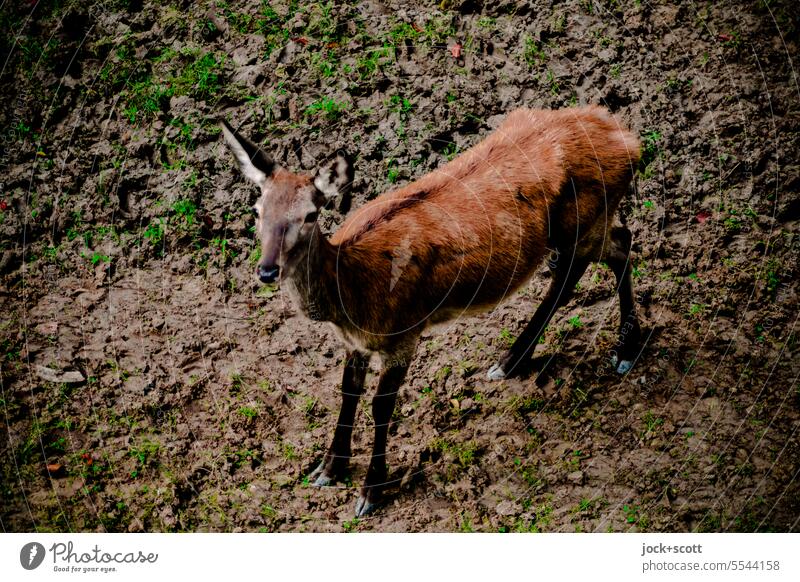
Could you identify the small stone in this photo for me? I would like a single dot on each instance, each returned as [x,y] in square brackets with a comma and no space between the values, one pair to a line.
[50,375]
[506,508]
[576,477]
[49,328]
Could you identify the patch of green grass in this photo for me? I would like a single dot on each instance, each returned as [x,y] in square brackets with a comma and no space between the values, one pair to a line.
[249,412]
[574,462]
[530,474]
[399,104]
[506,338]
[350,525]
[145,454]
[326,63]
[34,54]
[696,309]
[464,454]
[542,518]
[268,512]
[532,52]
[145,98]
[732,222]
[575,322]
[373,60]
[437,29]
[222,247]
[487,23]
[442,373]
[328,107]
[288,452]
[146,93]
[651,422]
[267,291]
[201,78]
[267,22]
[631,513]
[96,258]
[237,383]
[254,257]
[650,149]
[84,465]
[450,151]
[154,232]
[241,456]
[392,171]
[399,33]
[185,210]
[552,82]
[465,523]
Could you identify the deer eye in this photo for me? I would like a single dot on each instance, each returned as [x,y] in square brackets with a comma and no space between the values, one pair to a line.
[311,217]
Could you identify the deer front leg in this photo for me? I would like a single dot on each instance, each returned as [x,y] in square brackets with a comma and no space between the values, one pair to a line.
[334,465]
[392,376]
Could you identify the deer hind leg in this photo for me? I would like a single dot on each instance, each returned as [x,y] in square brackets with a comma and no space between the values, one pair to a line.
[617,255]
[334,465]
[567,267]
[392,376]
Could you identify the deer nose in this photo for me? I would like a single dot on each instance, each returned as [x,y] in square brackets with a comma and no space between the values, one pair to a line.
[268,274]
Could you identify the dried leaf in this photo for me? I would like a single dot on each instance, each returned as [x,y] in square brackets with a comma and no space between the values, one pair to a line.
[55,469]
[702,216]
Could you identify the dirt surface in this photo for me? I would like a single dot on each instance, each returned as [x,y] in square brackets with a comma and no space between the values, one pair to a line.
[149,384]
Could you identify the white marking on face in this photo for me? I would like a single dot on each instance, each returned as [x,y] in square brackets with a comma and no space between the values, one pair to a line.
[281,224]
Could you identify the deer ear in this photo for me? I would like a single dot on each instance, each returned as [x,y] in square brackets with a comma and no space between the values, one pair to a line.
[255,164]
[335,176]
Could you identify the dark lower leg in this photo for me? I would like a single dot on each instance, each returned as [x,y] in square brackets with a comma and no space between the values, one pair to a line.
[627,345]
[561,289]
[382,408]
[338,456]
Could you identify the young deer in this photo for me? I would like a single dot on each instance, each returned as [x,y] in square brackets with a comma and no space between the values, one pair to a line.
[460,239]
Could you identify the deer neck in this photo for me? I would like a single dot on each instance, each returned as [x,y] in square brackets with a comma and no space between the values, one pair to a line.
[312,279]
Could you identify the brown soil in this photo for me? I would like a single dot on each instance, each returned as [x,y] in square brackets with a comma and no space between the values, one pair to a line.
[205,400]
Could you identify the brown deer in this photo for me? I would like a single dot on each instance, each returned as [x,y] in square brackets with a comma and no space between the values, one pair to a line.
[460,239]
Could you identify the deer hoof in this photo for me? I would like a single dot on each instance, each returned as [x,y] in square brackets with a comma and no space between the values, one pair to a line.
[319,476]
[364,507]
[496,373]
[624,366]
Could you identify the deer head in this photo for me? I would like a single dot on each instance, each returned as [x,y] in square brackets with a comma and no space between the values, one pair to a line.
[287,209]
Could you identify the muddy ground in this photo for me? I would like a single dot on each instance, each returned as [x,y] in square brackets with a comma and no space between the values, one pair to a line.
[149,384]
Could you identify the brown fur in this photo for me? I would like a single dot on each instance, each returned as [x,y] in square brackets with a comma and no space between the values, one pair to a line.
[479,226]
